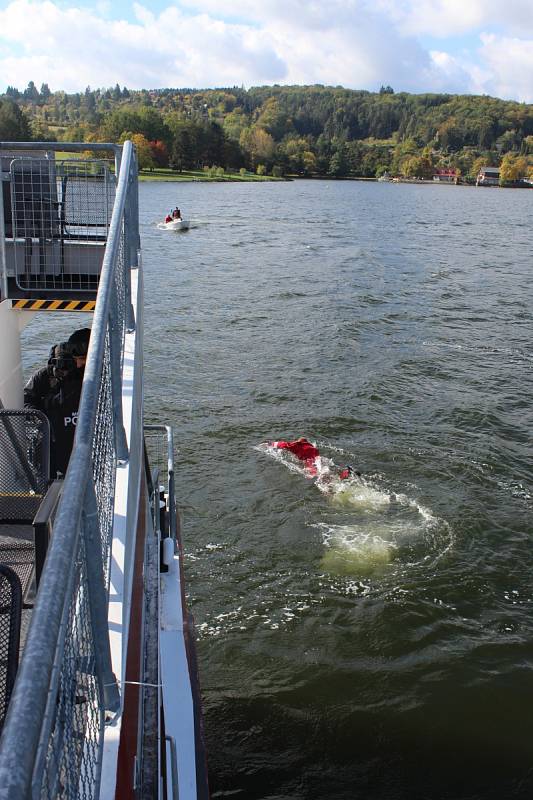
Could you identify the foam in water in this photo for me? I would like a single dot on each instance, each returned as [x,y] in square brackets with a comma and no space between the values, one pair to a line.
[355,493]
[352,550]
[383,528]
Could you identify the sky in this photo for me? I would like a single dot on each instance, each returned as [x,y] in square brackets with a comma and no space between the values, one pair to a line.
[458,46]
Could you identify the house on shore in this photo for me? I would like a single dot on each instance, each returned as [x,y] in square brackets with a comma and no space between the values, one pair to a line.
[488,176]
[445,175]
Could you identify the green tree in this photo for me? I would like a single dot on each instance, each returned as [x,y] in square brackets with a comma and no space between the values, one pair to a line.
[308,162]
[14,126]
[299,157]
[183,149]
[512,168]
[258,145]
[31,92]
[274,119]
[338,164]
[40,131]
[402,150]
[418,167]
[145,120]
[144,151]
[477,166]
[527,145]
[234,123]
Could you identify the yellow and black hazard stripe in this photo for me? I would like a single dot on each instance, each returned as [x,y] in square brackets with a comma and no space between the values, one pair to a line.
[54,305]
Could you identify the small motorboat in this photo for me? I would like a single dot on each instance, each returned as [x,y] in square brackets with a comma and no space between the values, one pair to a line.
[175,225]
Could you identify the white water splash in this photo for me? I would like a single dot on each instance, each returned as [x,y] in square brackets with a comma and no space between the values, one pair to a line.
[384,527]
[356,550]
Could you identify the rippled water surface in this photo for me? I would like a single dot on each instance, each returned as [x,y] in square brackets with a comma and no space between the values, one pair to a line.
[375,641]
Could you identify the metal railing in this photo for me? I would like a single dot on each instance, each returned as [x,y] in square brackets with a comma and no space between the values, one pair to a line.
[52,740]
[160,449]
[58,219]
[24,463]
[54,216]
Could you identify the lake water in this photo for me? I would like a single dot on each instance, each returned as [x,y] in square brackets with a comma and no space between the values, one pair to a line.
[375,641]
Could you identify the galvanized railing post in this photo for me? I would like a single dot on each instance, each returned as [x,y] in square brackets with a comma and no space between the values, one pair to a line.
[171,485]
[115,348]
[98,600]
[131,244]
[3,258]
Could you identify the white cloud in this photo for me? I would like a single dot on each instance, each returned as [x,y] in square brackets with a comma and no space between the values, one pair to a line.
[201,43]
[443,18]
[338,42]
[72,48]
[509,62]
[450,74]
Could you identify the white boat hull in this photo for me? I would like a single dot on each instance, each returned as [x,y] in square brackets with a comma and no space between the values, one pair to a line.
[175,225]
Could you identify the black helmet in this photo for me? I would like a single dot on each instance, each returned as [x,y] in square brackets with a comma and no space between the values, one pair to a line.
[79,342]
[61,363]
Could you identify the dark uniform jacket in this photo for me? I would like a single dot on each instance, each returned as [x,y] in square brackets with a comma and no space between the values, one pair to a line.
[59,400]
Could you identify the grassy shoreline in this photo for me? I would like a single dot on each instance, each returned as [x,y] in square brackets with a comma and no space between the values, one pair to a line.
[164,174]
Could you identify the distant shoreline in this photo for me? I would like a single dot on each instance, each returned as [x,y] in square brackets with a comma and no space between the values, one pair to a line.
[191,176]
[198,176]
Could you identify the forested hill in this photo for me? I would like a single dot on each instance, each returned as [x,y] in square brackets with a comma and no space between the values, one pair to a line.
[303,130]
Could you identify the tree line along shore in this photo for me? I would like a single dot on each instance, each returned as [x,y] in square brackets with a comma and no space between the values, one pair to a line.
[279,131]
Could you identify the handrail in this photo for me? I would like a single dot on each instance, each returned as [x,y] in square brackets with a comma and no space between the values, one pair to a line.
[170,475]
[40,147]
[173,767]
[75,147]
[33,708]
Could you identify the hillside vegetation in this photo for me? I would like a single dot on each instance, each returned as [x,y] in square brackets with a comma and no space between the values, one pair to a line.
[285,130]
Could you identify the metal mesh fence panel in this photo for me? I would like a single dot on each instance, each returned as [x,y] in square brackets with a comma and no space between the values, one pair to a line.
[103,459]
[72,762]
[19,555]
[60,214]
[71,765]
[24,463]
[120,292]
[10,611]
[157,449]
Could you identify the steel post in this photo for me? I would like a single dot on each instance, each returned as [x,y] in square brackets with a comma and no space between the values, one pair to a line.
[98,600]
[3,258]
[115,346]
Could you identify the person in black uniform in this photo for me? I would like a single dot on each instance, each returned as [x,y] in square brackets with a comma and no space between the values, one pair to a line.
[56,391]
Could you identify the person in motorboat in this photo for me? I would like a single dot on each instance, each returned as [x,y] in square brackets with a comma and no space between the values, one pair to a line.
[56,390]
[168,218]
[176,214]
[309,454]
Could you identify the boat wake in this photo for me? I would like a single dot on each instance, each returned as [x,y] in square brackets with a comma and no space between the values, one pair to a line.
[372,530]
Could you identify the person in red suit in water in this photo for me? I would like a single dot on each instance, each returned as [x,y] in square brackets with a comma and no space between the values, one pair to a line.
[306,452]
[303,450]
